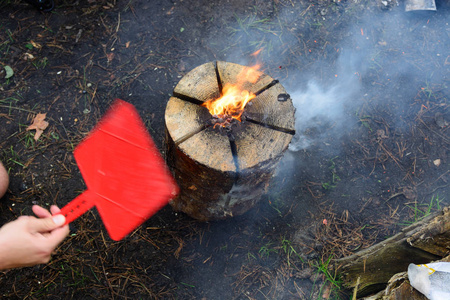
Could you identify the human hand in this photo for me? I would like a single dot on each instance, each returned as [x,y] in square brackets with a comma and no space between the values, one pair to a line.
[29,241]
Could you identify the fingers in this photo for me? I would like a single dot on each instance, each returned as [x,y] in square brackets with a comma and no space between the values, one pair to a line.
[57,236]
[46,224]
[43,213]
[40,211]
[54,209]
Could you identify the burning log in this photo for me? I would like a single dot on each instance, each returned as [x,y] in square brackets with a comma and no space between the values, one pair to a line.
[223,162]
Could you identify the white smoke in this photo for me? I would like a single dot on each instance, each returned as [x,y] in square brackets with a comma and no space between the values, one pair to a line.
[322,107]
[317,106]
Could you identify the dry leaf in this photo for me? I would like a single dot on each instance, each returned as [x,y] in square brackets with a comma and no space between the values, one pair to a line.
[28,56]
[110,57]
[327,291]
[36,45]
[39,124]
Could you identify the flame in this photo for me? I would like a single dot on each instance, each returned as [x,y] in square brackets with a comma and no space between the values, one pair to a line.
[234,98]
[256,53]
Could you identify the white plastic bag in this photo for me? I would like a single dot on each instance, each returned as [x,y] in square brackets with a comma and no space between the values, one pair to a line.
[432,280]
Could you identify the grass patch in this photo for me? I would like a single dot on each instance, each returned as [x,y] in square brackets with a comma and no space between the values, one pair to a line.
[257,33]
[265,250]
[421,211]
[331,278]
[290,251]
[334,177]
[40,64]
[13,157]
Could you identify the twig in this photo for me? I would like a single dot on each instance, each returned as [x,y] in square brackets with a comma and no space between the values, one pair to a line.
[107,280]
[118,24]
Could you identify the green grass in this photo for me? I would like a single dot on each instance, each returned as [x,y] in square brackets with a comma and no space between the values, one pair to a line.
[10,35]
[364,120]
[28,140]
[9,101]
[73,277]
[328,186]
[427,90]
[274,204]
[13,157]
[332,278]
[421,211]
[187,284]
[250,256]
[257,33]
[265,250]
[250,23]
[40,64]
[289,250]
[334,177]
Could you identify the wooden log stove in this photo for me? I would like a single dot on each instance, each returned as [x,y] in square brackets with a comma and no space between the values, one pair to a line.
[223,170]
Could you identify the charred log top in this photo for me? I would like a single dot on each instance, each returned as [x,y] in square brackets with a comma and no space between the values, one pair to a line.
[264,133]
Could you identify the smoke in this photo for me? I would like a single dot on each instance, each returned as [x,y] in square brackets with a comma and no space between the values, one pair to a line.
[338,71]
[320,109]
[383,59]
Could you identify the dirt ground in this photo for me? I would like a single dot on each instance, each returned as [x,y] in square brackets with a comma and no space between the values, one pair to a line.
[370,84]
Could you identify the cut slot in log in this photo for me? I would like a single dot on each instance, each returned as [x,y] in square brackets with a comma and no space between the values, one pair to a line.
[224,172]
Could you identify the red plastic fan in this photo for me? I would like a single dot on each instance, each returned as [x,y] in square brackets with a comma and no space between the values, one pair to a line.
[126,177]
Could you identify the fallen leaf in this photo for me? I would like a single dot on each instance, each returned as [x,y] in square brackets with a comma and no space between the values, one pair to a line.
[39,124]
[110,57]
[28,56]
[170,10]
[36,45]
[327,291]
[9,72]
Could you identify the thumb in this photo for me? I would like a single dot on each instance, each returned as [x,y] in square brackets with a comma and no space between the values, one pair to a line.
[46,224]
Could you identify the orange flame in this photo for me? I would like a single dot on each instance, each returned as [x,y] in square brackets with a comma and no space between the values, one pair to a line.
[234,98]
[256,53]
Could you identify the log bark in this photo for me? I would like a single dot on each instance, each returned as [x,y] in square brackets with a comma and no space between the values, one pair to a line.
[220,172]
[423,242]
[399,288]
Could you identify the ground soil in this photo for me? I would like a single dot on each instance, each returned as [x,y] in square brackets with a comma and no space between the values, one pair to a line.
[370,83]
